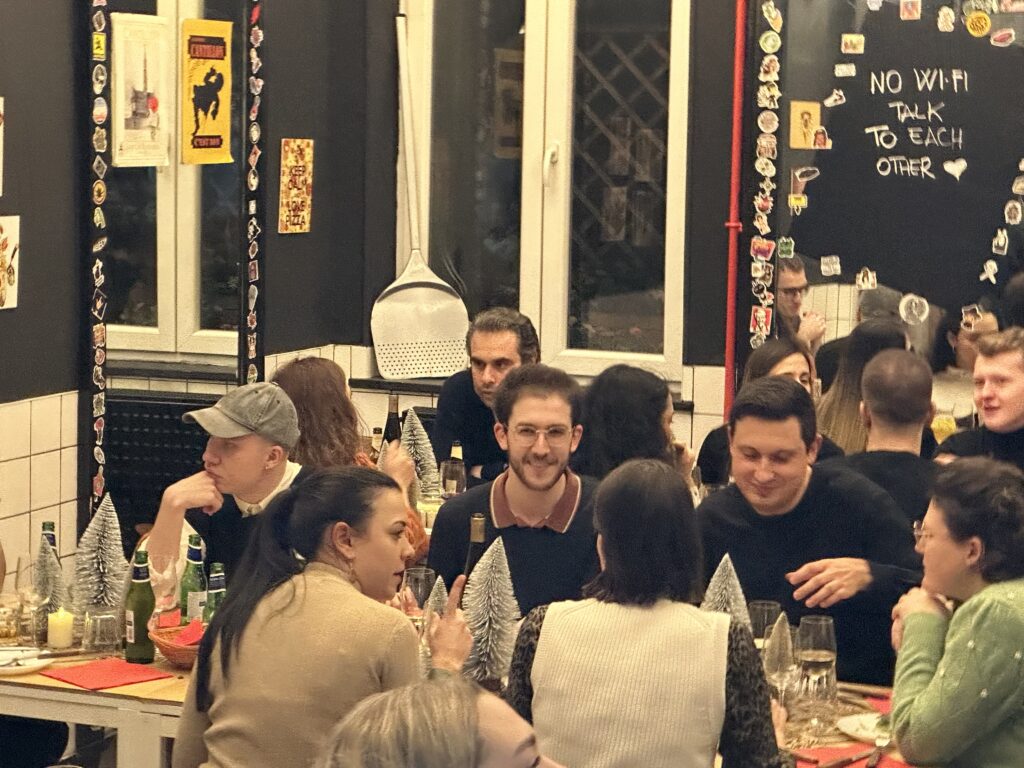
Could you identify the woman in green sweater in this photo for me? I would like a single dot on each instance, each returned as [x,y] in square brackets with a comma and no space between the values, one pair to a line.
[958,698]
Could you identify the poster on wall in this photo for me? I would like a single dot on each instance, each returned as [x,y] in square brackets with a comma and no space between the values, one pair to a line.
[143,100]
[10,260]
[1,145]
[296,206]
[206,91]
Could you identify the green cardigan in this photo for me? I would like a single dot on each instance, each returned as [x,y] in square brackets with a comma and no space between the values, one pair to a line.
[958,697]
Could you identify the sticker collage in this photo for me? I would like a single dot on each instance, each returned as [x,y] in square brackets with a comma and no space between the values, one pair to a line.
[992,19]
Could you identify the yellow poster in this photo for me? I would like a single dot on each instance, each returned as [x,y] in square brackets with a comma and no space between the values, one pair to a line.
[206,91]
[295,208]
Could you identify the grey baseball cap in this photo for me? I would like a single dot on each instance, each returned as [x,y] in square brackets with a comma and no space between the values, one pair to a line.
[254,409]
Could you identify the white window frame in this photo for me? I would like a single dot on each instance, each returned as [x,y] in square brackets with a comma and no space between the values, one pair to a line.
[178,273]
[545,219]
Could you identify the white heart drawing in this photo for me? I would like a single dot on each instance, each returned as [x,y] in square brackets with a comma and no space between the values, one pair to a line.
[955,168]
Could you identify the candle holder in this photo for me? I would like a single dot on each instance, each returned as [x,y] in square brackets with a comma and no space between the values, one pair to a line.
[32,627]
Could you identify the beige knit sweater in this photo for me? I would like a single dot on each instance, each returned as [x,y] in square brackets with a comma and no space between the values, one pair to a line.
[622,686]
[313,649]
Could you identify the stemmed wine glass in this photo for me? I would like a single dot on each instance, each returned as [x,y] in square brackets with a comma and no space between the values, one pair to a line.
[417,584]
[818,671]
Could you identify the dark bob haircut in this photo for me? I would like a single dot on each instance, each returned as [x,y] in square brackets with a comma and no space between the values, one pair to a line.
[651,543]
[985,498]
[775,398]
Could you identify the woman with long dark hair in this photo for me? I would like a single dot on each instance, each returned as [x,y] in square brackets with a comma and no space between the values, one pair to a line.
[589,701]
[627,414]
[304,634]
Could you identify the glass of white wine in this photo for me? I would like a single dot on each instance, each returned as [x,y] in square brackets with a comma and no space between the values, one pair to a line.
[416,586]
[817,655]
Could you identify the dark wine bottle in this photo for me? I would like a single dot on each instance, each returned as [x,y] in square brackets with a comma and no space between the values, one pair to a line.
[477,539]
[393,426]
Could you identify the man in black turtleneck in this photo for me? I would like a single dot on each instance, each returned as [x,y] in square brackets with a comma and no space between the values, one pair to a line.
[999,399]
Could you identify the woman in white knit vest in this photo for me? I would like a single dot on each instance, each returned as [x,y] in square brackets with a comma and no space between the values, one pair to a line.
[636,674]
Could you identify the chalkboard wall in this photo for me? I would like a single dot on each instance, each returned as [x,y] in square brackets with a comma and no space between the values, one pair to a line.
[40,350]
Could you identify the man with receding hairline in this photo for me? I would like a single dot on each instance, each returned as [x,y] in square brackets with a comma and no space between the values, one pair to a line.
[896,407]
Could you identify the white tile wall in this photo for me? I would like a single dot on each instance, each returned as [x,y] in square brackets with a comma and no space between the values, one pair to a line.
[838,302]
[38,474]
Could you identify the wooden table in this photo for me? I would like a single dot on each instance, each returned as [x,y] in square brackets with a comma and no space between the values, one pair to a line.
[142,713]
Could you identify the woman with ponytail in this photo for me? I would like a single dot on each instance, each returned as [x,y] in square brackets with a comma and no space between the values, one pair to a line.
[959,687]
[304,633]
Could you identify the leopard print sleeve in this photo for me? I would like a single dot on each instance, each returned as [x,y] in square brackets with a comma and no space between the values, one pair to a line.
[519,693]
[748,736]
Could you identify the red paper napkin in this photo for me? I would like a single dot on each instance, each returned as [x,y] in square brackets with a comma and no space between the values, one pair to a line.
[106,673]
[882,703]
[824,754]
[190,635]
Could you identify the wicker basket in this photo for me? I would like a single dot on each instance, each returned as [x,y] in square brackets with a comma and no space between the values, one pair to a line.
[180,656]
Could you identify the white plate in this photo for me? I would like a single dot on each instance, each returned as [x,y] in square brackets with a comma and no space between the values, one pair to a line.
[863,727]
[17,652]
[26,667]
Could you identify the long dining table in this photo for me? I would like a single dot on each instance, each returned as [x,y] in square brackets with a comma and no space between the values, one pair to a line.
[144,714]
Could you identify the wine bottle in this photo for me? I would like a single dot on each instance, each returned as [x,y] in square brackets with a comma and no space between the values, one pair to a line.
[139,605]
[393,426]
[453,473]
[477,539]
[50,532]
[216,594]
[376,441]
[193,582]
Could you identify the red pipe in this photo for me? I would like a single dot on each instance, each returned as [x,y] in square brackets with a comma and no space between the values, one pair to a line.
[734,225]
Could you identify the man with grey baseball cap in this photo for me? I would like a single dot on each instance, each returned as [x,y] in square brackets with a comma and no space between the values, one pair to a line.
[252,429]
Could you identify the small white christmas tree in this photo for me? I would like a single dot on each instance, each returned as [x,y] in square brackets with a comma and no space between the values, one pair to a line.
[491,612]
[438,599]
[100,567]
[49,578]
[382,456]
[416,442]
[725,594]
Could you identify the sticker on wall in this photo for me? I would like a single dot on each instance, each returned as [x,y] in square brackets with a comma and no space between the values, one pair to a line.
[988,271]
[835,98]
[866,279]
[206,78]
[1001,242]
[845,69]
[787,247]
[768,96]
[1013,212]
[99,139]
[830,266]
[914,309]
[797,204]
[761,248]
[760,320]
[10,260]
[770,41]
[99,78]
[768,121]
[978,23]
[910,10]
[140,85]
[946,20]
[955,168]
[804,120]
[772,15]
[99,46]
[761,223]
[851,44]
[769,71]
[1003,38]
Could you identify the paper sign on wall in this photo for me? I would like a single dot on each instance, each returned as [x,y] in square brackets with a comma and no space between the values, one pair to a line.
[10,260]
[296,202]
[206,91]
[141,95]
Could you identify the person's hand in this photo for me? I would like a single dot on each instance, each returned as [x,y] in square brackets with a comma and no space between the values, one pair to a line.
[198,491]
[477,471]
[399,466]
[827,582]
[812,328]
[896,633]
[448,636]
[685,459]
[919,600]
[779,719]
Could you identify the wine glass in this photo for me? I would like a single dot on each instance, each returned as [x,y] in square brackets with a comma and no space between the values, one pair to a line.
[417,584]
[763,615]
[33,596]
[779,656]
[164,573]
[817,657]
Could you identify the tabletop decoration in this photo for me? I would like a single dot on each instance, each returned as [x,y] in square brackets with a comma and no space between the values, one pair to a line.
[492,612]
[106,673]
[100,566]
[50,577]
[725,594]
[416,442]
[438,598]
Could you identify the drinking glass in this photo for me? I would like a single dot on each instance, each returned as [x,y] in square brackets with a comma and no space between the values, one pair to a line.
[34,598]
[417,584]
[763,615]
[780,658]
[164,575]
[102,630]
[9,613]
[818,672]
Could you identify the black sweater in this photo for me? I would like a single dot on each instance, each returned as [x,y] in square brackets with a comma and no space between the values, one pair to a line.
[981,442]
[462,416]
[841,514]
[545,565]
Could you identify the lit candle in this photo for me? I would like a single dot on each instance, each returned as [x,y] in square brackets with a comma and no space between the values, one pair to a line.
[59,629]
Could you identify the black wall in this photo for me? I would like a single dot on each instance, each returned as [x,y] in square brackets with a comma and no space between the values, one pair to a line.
[40,41]
[707,193]
[330,70]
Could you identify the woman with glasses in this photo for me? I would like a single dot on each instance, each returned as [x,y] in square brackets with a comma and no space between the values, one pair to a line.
[635,674]
[958,696]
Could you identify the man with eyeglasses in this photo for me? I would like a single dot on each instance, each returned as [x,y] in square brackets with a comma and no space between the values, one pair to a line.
[540,509]
[807,327]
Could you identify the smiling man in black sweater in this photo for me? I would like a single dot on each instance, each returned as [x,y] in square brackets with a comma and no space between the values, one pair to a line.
[821,540]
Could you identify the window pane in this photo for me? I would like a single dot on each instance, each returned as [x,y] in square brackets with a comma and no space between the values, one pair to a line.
[477,132]
[620,122]
[130,212]
[221,187]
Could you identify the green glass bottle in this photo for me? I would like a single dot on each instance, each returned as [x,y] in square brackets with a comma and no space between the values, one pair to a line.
[216,594]
[138,608]
[193,582]
[50,532]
